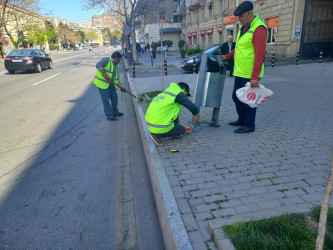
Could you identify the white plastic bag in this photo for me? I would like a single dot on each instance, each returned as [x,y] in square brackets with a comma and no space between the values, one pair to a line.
[253,96]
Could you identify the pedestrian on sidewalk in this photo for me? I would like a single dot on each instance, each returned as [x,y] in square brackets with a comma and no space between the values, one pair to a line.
[90,49]
[226,48]
[153,49]
[106,79]
[162,116]
[249,56]
[138,48]
[165,50]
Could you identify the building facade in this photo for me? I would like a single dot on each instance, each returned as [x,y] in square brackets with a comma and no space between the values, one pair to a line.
[161,19]
[304,26]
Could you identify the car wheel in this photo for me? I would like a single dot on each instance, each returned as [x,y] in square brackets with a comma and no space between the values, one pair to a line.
[50,65]
[38,68]
[11,71]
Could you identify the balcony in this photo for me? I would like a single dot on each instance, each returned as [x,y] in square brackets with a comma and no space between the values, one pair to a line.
[181,10]
[196,4]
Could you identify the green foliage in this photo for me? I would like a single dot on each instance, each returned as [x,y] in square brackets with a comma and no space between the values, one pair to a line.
[91,35]
[181,44]
[39,35]
[289,231]
[182,52]
[193,51]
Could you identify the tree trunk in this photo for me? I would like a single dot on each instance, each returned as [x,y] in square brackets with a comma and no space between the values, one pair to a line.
[132,31]
[324,210]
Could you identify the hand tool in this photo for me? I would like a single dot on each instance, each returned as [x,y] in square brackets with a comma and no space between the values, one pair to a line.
[177,150]
[125,90]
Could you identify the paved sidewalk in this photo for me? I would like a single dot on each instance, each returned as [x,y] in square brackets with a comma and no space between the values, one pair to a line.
[280,168]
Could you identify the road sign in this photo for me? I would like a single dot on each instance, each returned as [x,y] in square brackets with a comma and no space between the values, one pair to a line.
[126,30]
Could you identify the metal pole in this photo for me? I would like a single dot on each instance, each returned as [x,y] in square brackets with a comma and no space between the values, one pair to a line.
[162,55]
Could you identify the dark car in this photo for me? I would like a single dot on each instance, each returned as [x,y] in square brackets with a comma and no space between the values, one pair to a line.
[212,65]
[27,59]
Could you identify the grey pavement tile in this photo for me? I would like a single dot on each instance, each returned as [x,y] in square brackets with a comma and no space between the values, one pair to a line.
[230,211]
[314,198]
[197,240]
[188,188]
[206,208]
[178,192]
[291,201]
[203,226]
[241,209]
[200,193]
[252,199]
[242,186]
[190,222]
[183,206]
[273,195]
[235,194]
[173,181]
[220,189]
[269,204]
[203,216]
[260,183]
[294,192]
[257,191]
[195,202]
[207,185]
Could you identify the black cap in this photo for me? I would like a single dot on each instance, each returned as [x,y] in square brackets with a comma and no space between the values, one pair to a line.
[184,85]
[116,54]
[243,7]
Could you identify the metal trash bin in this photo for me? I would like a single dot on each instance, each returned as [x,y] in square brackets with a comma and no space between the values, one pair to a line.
[210,84]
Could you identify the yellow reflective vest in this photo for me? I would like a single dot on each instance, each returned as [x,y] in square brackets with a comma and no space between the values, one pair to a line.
[244,51]
[163,110]
[100,80]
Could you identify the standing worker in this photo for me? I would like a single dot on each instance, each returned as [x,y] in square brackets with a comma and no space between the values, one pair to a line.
[106,79]
[226,48]
[249,56]
[162,116]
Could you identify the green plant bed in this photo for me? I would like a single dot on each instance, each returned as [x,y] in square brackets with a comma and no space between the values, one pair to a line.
[289,231]
[152,94]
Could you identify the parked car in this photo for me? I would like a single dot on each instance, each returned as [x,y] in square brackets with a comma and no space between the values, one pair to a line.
[212,65]
[27,59]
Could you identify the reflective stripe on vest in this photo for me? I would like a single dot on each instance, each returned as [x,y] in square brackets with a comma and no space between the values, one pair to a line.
[163,110]
[99,79]
[244,51]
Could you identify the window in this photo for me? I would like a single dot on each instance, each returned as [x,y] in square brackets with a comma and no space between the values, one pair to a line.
[189,18]
[161,15]
[211,9]
[175,17]
[203,13]
[272,35]
[210,41]
[196,17]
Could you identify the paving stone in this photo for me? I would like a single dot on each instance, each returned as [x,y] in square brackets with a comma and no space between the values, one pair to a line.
[190,222]
[224,212]
[183,206]
[203,216]
[252,199]
[207,185]
[257,191]
[178,192]
[198,242]
[241,209]
[291,200]
[241,186]
[206,208]
[269,204]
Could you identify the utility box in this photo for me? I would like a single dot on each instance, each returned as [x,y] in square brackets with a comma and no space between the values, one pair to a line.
[210,84]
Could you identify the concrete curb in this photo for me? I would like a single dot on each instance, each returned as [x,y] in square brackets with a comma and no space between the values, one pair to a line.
[171,222]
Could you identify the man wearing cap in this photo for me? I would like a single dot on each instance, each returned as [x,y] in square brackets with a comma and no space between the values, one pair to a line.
[249,57]
[106,79]
[162,116]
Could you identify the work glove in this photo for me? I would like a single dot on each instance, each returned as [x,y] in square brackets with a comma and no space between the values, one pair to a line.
[107,77]
[122,89]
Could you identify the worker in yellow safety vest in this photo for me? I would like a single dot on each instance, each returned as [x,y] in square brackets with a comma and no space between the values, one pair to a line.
[249,57]
[106,79]
[162,116]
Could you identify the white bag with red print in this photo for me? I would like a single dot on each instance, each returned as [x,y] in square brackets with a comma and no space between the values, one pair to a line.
[253,96]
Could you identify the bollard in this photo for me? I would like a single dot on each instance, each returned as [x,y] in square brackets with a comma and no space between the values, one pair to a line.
[321,56]
[273,59]
[152,61]
[194,65]
[133,70]
[297,58]
[165,67]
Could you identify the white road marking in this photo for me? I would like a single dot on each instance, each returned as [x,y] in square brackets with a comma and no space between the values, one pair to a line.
[82,62]
[45,79]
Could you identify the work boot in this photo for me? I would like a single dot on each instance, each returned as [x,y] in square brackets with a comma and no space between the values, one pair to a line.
[157,141]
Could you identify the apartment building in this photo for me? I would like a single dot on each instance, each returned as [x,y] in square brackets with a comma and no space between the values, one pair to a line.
[161,19]
[304,26]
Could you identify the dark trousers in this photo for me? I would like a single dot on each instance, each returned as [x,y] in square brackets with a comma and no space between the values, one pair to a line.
[231,66]
[107,95]
[246,114]
[154,54]
[177,130]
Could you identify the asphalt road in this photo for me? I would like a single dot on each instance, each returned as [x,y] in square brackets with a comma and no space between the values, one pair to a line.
[70,179]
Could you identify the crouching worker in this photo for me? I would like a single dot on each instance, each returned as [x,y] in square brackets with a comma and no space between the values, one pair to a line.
[163,112]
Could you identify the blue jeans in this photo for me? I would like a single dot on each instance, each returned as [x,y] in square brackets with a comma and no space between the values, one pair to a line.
[107,95]
[165,54]
[246,114]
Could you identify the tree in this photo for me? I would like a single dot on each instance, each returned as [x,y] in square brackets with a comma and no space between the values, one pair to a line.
[17,16]
[40,35]
[128,10]
[91,35]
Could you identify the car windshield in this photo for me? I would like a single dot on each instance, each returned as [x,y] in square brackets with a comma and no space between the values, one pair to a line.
[210,51]
[21,53]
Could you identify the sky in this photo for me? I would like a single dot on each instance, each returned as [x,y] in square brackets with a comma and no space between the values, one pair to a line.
[72,10]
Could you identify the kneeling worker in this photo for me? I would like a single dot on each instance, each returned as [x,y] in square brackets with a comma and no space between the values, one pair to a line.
[163,112]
